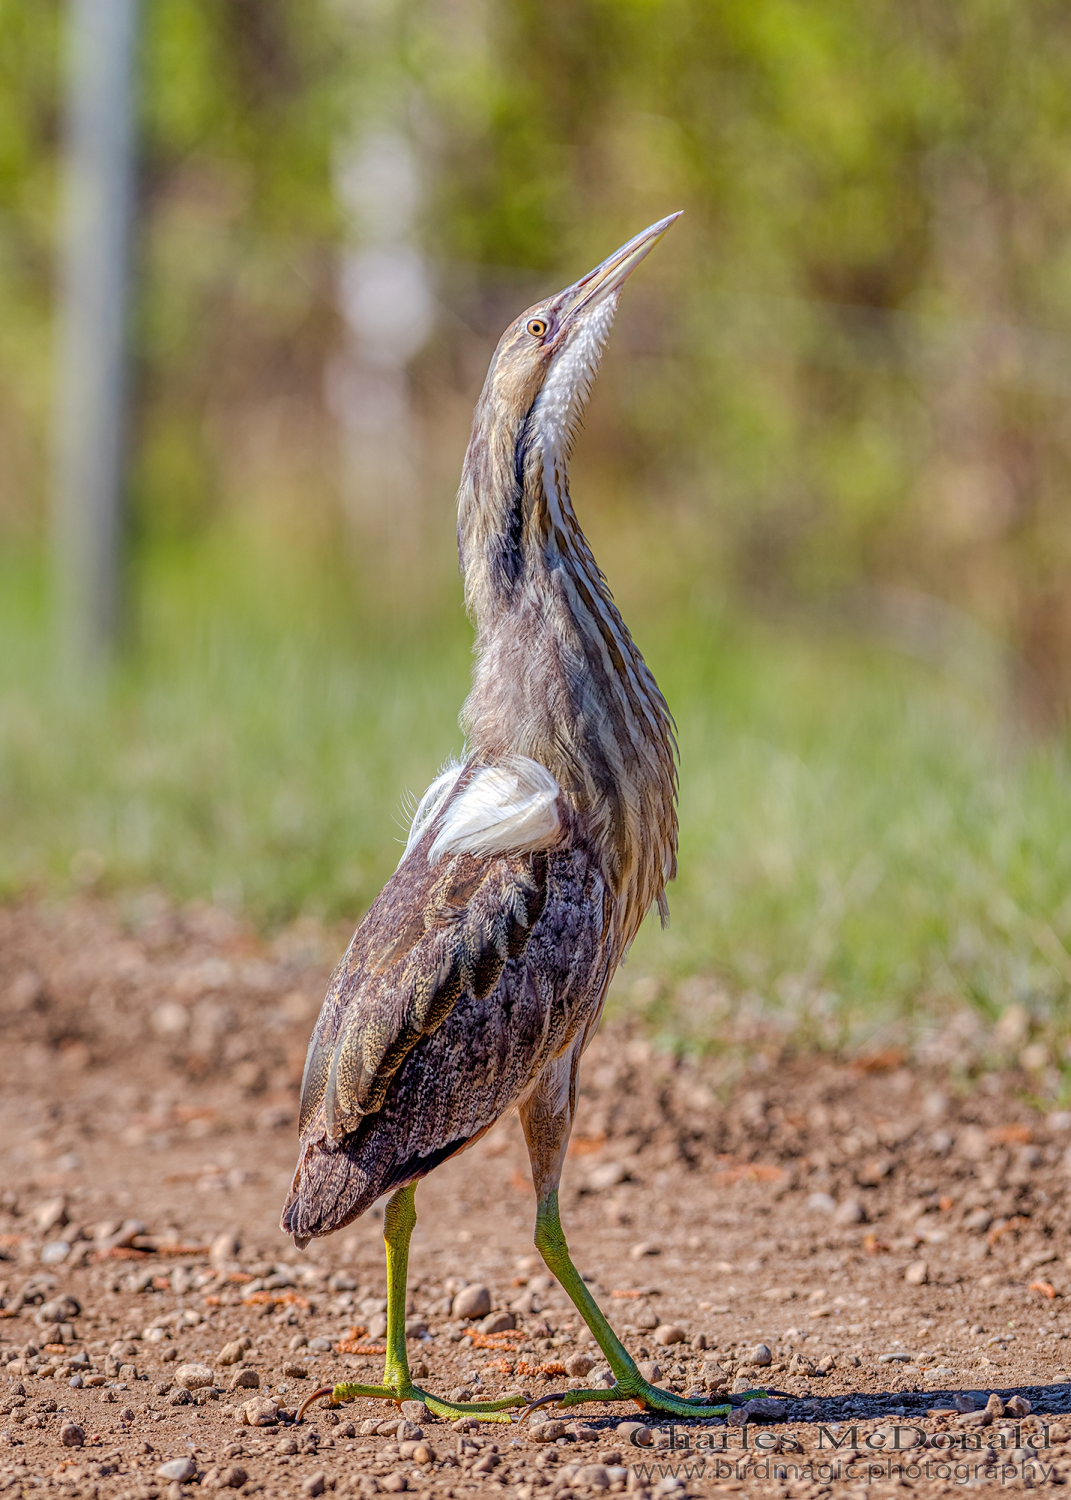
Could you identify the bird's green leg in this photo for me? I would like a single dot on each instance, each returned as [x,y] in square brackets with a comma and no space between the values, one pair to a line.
[398,1223]
[629,1384]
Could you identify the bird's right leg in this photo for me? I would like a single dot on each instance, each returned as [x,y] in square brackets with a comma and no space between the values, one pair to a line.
[399,1220]
[547,1117]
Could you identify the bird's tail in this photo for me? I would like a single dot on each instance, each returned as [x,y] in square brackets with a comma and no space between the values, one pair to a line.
[336,1182]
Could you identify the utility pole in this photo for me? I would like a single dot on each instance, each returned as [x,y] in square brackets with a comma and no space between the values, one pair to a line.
[91,376]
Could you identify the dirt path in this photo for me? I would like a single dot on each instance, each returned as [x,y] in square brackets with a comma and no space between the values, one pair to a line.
[897,1242]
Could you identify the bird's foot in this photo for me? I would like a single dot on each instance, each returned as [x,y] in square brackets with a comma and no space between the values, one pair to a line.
[647,1397]
[483,1411]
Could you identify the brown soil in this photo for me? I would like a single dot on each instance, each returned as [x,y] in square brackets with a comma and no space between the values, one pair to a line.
[150,1064]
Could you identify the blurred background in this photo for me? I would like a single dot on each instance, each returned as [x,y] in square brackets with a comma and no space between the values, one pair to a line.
[826,469]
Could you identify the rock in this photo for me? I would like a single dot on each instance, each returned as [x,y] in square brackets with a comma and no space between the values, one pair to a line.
[260,1412]
[645,1247]
[548,1432]
[821,1203]
[180,1470]
[295,1371]
[699,1341]
[224,1248]
[826,1365]
[995,1406]
[646,1317]
[741,1384]
[394,1483]
[193,1377]
[850,1211]
[178,1397]
[321,1345]
[764,1408]
[58,1310]
[409,1432]
[760,1355]
[1018,1406]
[55,1252]
[415,1327]
[71,1435]
[610,1174]
[649,1370]
[579,1364]
[416,1412]
[636,1434]
[231,1354]
[917,1273]
[472,1302]
[592,1477]
[978,1221]
[669,1333]
[232,1478]
[245,1380]
[51,1214]
[286,1445]
[315,1484]
[498,1322]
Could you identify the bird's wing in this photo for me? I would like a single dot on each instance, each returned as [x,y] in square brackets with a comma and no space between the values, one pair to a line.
[434,1097]
[436,932]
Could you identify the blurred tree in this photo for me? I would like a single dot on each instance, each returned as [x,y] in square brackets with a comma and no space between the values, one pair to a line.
[846,383]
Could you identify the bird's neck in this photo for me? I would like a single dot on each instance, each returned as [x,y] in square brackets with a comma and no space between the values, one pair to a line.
[557,675]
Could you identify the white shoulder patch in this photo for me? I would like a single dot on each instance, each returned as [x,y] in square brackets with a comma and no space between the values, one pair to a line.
[430,804]
[508,808]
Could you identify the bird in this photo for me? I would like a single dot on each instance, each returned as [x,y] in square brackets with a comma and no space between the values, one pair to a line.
[478,975]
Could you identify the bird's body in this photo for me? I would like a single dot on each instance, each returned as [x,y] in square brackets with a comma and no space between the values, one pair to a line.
[479,974]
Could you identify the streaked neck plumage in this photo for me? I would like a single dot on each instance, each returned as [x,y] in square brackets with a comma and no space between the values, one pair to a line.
[557,676]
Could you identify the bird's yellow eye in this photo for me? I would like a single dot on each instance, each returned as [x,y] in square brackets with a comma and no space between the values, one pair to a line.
[537,327]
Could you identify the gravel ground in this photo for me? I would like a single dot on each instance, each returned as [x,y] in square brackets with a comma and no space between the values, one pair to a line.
[887,1243]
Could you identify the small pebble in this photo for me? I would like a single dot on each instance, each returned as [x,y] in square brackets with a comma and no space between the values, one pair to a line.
[760,1355]
[232,1478]
[260,1412]
[498,1322]
[669,1333]
[394,1483]
[636,1434]
[245,1380]
[416,1412]
[592,1477]
[294,1371]
[548,1432]
[286,1445]
[315,1484]
[645,1247]
[71,1435]
[650,1370]
[231,1353]
[193,1377]
[917,1273]
[472,1302]
[579,1364]
[849,1211]
[320,1346]
[180,1470]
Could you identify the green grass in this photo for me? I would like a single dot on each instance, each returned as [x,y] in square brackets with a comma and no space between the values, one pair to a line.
[862,847]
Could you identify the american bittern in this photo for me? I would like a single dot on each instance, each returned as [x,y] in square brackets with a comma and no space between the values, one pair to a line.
[478,975]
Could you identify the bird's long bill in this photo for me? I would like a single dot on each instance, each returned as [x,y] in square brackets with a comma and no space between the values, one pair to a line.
[609,277]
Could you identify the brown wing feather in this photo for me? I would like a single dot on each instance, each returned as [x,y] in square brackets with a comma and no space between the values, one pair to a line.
[433,935]
[458,988]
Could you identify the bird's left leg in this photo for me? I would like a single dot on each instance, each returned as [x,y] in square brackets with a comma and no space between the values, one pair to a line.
[399,1220]
[547,1117]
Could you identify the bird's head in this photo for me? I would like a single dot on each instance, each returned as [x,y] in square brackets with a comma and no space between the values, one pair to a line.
[547,358]
[532,400]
